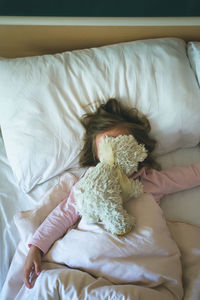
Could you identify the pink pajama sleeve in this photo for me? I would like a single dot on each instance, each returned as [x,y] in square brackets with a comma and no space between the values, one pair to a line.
[56,224]
[161,183]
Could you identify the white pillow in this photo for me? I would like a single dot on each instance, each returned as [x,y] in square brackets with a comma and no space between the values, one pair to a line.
[193,50]
[42,99]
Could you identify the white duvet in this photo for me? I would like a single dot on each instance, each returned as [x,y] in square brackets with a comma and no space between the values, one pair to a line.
[147,257]
[89,263]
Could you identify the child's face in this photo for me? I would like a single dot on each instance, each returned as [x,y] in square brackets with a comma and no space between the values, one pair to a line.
[114,132]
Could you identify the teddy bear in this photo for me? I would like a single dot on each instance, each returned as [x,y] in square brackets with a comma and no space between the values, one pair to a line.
[102,192]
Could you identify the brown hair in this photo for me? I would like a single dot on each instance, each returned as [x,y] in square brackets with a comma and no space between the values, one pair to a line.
[111,115]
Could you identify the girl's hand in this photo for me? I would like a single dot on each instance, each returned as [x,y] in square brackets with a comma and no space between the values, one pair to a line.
[32,265]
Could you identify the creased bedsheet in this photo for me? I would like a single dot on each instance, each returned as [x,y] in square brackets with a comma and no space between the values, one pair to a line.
[12,200]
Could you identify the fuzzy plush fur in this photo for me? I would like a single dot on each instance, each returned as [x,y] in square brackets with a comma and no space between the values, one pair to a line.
[101,193]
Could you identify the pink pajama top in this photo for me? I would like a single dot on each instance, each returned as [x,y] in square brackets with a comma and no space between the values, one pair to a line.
[157,183]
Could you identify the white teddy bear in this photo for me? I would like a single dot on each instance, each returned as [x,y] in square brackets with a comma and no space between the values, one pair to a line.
[101,193]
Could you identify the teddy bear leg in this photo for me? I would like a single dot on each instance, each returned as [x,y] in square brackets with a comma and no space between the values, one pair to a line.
[92,219]
[117,221]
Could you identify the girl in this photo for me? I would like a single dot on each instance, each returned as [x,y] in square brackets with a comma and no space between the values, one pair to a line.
[110,119]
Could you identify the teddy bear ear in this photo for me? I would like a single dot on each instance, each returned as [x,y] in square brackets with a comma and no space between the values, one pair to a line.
[105,151]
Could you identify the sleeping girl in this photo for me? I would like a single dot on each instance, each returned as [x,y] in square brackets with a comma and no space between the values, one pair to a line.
[111,120]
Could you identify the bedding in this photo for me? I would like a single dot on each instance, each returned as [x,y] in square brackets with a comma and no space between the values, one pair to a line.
[41,101]
[44,97]
[147,257]
[187,237]
[193,50]
[12,201]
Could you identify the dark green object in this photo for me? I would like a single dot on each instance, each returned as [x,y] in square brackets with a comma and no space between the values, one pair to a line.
[100,8]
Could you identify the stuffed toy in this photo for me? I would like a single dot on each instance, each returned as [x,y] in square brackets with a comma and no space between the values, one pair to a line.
[102,192]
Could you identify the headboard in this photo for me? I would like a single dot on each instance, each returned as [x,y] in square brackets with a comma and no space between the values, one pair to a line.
[29,36]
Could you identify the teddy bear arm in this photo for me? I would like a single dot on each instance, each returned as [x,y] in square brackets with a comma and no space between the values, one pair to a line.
[132,188]
[89,214]
[85,207]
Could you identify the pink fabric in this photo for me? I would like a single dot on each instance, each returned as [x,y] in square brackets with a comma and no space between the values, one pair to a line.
[161,183]
[157,183]
[56,224]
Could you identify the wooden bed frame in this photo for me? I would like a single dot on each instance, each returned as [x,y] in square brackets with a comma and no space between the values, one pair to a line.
[29,36]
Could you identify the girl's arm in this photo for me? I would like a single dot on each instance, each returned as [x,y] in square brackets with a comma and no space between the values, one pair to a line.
[161,183]
[56,224]
[53,227]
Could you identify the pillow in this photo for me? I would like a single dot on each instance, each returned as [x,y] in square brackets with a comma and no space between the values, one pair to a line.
[193,50]
[43,98]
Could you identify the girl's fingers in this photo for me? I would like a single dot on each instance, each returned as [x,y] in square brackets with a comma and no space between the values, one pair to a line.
[27,277]
[32,269]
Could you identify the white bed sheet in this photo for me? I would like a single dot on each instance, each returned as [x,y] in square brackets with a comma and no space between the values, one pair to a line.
[13,200]
[183,206]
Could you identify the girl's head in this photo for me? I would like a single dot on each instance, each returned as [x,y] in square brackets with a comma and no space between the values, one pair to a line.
[112,119]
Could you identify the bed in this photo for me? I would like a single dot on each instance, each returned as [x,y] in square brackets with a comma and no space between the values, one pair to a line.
[52,71]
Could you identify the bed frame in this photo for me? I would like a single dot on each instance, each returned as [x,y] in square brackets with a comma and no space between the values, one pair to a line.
[29,36]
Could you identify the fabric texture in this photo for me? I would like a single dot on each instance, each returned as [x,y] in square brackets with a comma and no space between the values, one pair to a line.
[187,237]
[56,90]
[193,50]
[147,255]
[29,220]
